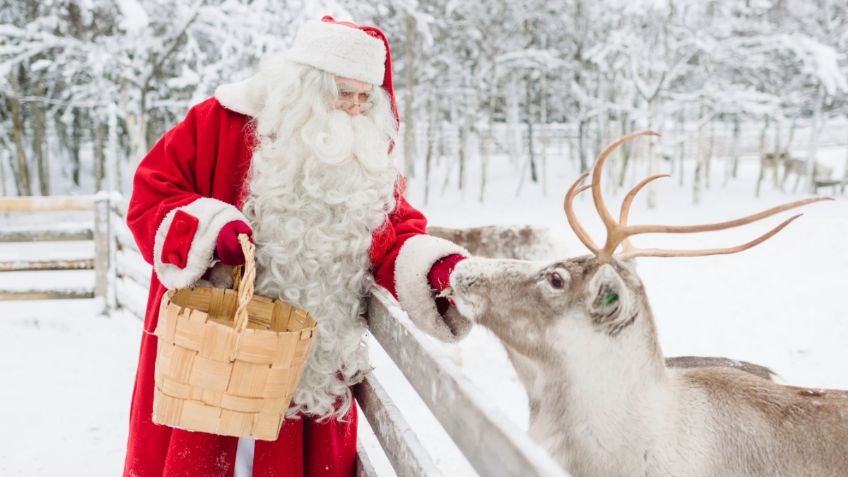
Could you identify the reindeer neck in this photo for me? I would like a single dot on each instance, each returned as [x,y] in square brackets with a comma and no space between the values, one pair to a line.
[597,400]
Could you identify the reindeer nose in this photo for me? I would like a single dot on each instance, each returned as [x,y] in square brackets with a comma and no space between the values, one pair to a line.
[462,282]
[469,275]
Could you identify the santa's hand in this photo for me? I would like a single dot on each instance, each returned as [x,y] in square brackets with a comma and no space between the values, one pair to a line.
[439,278]
[228,247]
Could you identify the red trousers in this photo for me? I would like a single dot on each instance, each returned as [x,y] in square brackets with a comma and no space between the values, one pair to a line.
[305,448]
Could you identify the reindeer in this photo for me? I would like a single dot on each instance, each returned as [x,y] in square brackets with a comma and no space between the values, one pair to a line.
[798,167]
[581,335]
[773,161]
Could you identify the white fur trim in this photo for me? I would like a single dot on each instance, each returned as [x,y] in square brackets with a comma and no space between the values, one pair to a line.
[233,96]
[212,215]
[416,258]
[341,50]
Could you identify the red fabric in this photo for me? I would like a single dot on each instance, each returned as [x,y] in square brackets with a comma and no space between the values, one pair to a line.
[440,272]
[178,240]
[208,155]
[439,278]
[228,246]
[309,448]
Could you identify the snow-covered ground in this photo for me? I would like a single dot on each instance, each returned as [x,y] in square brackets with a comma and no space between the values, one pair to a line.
[67,377]
[67,371]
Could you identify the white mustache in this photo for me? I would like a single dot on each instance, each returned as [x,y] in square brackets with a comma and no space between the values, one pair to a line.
[330,137]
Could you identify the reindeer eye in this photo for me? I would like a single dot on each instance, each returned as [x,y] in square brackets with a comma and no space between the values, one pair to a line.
[556,281]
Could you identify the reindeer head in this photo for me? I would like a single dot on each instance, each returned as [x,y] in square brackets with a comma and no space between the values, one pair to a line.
[592,306]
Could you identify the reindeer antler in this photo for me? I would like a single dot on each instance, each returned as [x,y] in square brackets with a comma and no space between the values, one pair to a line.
[618,232]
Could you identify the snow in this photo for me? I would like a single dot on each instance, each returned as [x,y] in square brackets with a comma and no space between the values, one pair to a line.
[68,371]
[823,63]
[67,380]
[134,17]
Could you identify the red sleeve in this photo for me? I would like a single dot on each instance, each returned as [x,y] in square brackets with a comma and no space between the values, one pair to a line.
[164,180]
[403,255]
[405,222]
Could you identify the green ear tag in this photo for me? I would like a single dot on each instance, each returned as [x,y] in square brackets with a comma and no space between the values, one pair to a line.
[610,298]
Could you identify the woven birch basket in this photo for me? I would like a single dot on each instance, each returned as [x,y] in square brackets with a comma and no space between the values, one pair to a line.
[229,361]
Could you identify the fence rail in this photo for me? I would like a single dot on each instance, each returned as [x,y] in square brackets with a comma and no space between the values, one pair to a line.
[46,204]
[122,278]
[45,234]
[39,265]
[479,430]
[50,294]
[99,233]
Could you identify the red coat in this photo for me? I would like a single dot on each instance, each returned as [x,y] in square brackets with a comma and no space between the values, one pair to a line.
[187,187]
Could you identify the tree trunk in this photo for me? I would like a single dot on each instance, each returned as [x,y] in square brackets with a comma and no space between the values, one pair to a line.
[737,139]
[681,148]
[113,170]
[531,156]
[3,169]
[762,174]
[791,138]
[409,99]
[708,158]
[625,150]
[463,137]
[812,148]
[39,135]
[845,171]
[4,148]
[76,138]
[431,145]
[652,152]
[699,167]
[513,122]
[543,122]
[581,145]
[21,172]
[99,156]
[487,142]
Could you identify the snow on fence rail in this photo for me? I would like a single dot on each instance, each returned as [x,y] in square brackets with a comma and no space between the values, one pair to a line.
[58,204]
[491,445]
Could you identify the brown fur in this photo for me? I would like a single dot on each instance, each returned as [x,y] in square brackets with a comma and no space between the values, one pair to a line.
[493,241]
[711,362]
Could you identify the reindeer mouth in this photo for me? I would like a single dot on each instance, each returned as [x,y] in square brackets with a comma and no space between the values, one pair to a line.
[469,305]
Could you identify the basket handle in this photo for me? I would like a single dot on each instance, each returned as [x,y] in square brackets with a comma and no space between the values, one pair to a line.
[244,288]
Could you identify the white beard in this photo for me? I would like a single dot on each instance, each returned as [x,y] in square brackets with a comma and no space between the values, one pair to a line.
[316,194]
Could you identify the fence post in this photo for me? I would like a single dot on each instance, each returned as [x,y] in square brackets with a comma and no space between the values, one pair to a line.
[101,246]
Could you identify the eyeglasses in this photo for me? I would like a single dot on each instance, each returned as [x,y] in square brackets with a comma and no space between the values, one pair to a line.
[348,99]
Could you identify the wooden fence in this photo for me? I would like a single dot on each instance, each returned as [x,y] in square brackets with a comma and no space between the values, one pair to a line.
[99,263]
[490,443]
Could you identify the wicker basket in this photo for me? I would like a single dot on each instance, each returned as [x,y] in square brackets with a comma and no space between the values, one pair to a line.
[228,361]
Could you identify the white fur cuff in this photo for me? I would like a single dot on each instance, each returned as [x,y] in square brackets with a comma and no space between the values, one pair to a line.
[212,215]
[416,258]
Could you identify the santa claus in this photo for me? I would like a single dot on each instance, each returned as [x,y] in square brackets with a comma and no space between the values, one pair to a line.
[297,157]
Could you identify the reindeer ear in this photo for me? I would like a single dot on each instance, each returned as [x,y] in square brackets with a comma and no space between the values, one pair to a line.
[629,263]
[604,298]
[610,302]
